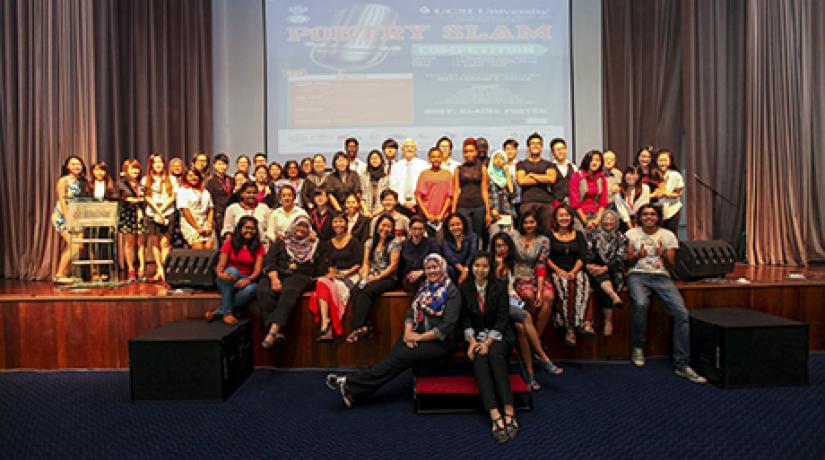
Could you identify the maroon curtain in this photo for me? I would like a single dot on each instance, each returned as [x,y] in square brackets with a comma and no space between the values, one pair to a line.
[641,57]
[103,79]
[785,128]
[154,78]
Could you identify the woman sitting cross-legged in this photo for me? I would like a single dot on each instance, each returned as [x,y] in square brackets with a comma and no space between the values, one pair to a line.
[289,267]
[527,336]
[379,274]
[429,335]
[239,267]
[341,260]
[485,318]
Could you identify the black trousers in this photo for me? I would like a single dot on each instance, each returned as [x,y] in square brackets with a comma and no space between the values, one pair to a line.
[475,217]
[362,299]
[493,377]
[276,307]
[545,213]
[399,359]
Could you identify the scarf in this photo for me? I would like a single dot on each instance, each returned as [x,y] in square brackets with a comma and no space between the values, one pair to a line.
[376,173]
[431,296]
[497,175]
[608,243]
[300,250]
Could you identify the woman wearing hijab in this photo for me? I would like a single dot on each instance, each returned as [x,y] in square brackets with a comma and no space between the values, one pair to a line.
[373,181]
[288,270]
[501,193]
[606,253]
[429,335]
[485,319]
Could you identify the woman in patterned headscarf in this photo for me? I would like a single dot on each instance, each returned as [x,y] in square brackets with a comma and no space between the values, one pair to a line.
[606,252]
[429,334]
[288,270]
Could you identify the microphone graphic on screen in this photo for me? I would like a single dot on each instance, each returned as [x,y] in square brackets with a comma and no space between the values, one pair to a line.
[366,48]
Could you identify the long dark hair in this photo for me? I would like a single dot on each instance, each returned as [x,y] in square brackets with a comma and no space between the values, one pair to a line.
[637,186]
[510,260]
[376,237]
[445,229]
[523,216]
[90,182]
[588,158]
[469,284]
[290,164]
[64,170]
[238,241]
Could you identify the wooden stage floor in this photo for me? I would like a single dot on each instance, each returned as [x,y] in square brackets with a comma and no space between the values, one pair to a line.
[43,326]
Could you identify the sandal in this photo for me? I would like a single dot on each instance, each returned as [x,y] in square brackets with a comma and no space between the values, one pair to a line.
[511,427]
[326,335]
[587,329]
[532,382]
[359,334]
[551,367]
[570,338]
[230,319]
[499,431]
[210,315]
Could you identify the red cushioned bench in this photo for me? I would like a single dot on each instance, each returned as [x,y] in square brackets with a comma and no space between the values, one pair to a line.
[439,394]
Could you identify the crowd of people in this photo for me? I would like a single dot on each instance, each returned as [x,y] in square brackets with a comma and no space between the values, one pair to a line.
[493,249]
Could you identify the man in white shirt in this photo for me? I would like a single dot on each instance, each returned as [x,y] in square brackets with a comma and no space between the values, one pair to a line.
[405,174]
[650,250]
[445,144]
[390,150]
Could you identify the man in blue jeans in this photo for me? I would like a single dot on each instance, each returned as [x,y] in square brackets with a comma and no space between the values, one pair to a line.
[649,249]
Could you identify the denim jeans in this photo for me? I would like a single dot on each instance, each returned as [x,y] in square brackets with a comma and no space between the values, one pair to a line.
[233,297]
[641,286]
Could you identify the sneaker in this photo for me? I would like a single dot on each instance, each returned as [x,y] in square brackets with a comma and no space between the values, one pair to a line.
[637,357]
[339,384]
[690,374]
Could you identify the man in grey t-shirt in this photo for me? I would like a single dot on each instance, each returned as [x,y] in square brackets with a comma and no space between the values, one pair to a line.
[650,251]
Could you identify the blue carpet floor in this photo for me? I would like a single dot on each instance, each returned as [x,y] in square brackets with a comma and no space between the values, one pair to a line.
[595,410]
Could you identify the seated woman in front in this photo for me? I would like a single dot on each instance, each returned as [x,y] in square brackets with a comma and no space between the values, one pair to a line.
[239,267]
[529,343]
[606,254]
[379,274]
[459,247]
[568,250]
[342,256]
[289,266]
[485,318]
[429,335]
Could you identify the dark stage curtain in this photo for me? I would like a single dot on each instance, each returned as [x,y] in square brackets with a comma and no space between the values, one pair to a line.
[784,131]
[734,88]
[104,79]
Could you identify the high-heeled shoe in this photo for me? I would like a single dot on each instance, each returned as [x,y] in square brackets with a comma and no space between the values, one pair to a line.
[499,431]
[551,367]
[511,427]
[326,335]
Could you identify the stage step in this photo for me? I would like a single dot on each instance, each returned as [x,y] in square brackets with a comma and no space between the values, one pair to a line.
[445,394]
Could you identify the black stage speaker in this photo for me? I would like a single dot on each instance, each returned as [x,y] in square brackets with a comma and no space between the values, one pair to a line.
[704,259]
[735,348]
[191,268]
[190,360]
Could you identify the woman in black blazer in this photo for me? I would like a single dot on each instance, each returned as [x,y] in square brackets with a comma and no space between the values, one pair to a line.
[485,318]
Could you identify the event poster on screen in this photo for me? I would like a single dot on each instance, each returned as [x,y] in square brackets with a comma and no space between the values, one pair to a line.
[416,69]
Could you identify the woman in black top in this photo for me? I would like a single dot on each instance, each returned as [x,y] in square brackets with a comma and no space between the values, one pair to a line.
[470,190]
[357,225]
[413,251]
[289,267]
[568,252]
[429,335]
[341,258]
[321,215]
[342,182]
[220,189]
[485,318]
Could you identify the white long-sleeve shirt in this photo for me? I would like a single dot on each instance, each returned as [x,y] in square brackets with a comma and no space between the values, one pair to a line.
[627,208]
[399,176]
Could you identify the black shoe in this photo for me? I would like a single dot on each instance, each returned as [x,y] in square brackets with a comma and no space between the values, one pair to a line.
[511,427]
[499,431]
